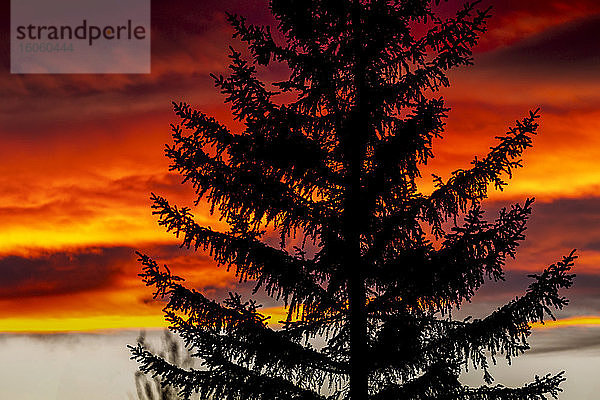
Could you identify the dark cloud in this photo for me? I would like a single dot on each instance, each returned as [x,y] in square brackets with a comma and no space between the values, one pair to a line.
[573,223]
[569,49]
[554,229]
[61,272]
[48,273]
[539,7]
[583,296]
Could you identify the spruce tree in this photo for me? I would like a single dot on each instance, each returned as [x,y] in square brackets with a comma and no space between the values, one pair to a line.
[369,266]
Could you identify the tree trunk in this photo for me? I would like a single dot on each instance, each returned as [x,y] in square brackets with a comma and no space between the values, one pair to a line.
[358,374]
[356,284]
[359,386]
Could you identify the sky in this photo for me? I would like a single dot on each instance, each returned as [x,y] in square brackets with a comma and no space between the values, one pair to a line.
[80,155]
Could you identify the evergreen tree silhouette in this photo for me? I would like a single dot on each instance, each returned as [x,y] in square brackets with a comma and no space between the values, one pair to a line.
[336,170]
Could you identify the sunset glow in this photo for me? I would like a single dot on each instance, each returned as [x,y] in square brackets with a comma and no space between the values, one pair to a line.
[82,153]
[574,321]
[83,324]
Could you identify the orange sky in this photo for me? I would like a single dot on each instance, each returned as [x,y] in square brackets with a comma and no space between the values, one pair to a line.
[81,154]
